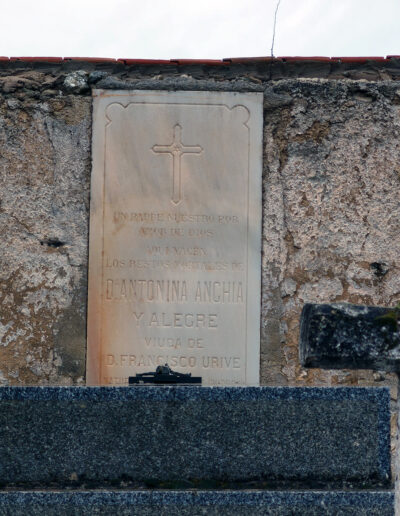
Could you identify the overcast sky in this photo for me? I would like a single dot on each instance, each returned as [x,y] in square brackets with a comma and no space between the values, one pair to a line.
[168,29]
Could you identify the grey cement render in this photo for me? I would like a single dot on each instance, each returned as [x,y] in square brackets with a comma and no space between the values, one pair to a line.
[194,437]
[196,503]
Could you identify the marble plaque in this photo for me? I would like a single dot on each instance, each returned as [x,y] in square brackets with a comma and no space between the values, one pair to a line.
[175,236]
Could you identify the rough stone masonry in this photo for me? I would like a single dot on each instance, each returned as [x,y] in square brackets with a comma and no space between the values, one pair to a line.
[331,202]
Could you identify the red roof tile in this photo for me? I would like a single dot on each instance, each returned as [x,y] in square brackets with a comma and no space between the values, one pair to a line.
[38,59]
[208,62]
[357,59]
[249,59]
[307,58]
[130,62]
[91,59]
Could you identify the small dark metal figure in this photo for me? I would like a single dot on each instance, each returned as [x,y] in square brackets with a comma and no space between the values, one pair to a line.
[164,376]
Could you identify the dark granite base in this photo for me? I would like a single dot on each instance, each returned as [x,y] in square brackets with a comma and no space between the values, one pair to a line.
[194,437]
[193,503]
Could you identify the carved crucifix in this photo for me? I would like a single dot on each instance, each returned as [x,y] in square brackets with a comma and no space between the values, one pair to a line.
[176,149]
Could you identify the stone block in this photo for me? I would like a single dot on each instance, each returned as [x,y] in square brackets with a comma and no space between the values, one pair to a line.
[198,437]
[211,503]
[340,335]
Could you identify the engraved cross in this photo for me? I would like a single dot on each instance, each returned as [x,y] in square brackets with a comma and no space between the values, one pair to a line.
[176,149]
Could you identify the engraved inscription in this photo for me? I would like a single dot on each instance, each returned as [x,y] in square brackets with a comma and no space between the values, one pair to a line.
[176,149]
[175,231]
[173,291]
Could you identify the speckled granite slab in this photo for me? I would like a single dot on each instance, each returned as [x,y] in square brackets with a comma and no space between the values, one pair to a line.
[194,437]
[193,503]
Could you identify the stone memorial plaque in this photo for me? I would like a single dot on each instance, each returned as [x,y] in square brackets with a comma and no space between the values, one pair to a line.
[175,236]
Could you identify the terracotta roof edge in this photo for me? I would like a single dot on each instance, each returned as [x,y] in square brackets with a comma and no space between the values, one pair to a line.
[206,62]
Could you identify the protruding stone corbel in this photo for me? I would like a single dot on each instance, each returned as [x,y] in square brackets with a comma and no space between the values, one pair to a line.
[346,336]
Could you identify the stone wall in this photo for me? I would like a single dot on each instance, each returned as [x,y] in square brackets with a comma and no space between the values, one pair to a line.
[45,175]
[331,211]
[330,216]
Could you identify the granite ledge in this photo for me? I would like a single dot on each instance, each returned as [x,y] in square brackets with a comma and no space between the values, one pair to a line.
[359,503]
[108,437]
[380,395]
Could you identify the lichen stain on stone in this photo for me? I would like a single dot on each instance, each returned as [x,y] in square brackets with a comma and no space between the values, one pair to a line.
[390,322]
[13,83]
[71,109]
[317,132]
[27,336]
[70,335]
[280,136]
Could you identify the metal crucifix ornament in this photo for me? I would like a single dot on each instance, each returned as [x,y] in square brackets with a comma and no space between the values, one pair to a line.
[177,149]
[164,375]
